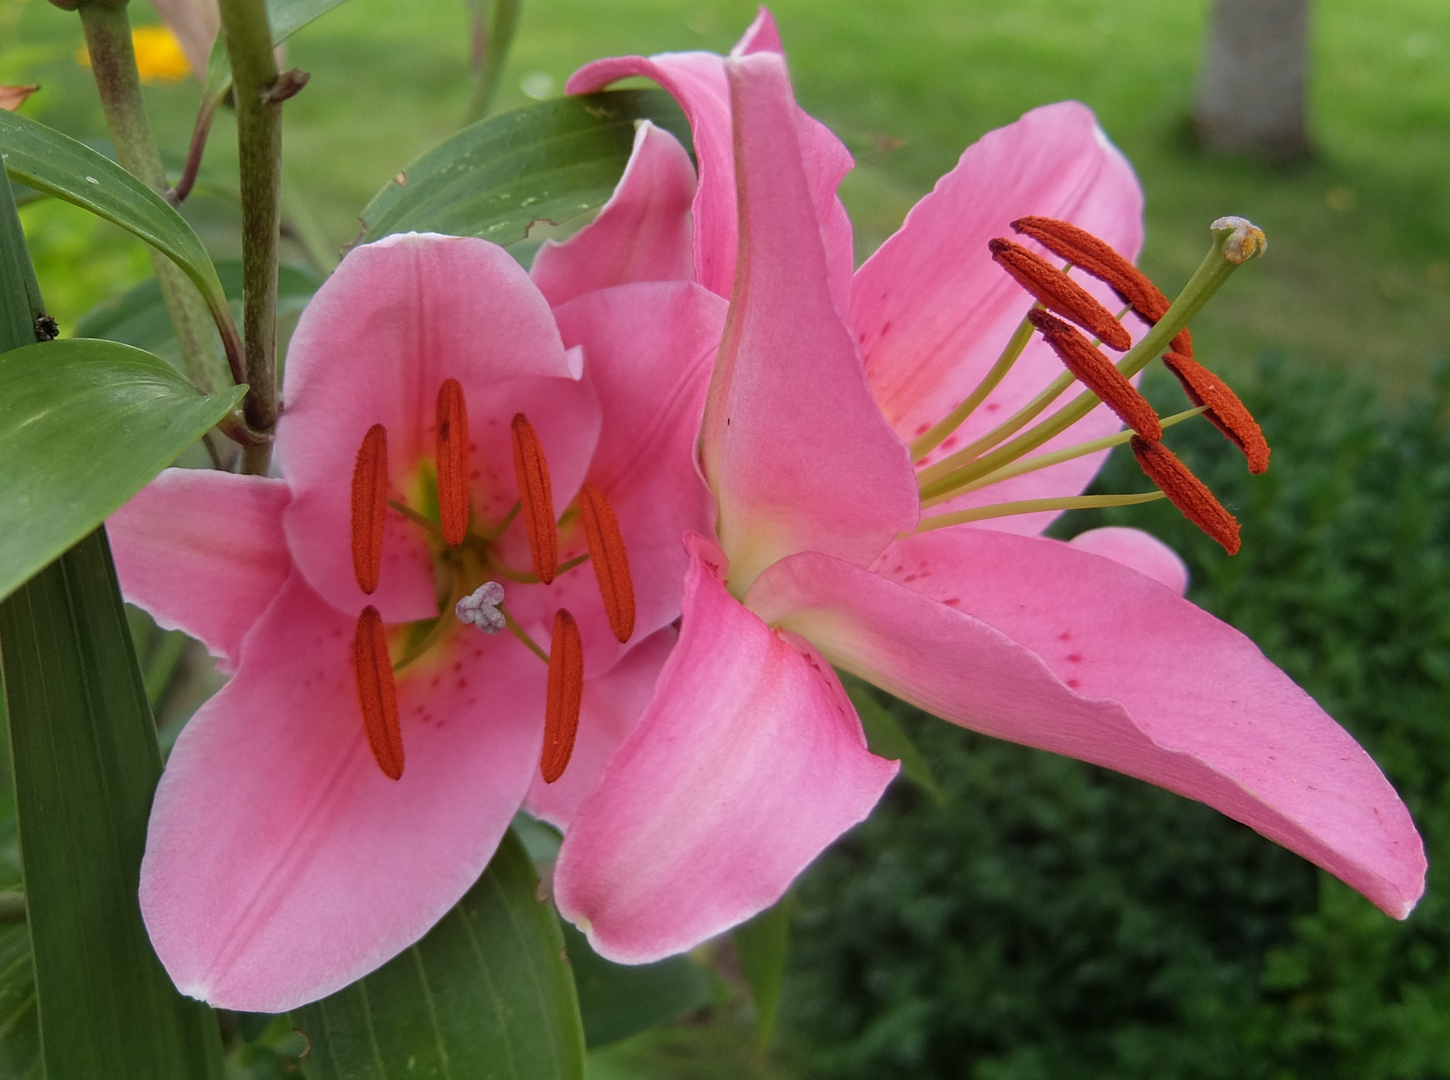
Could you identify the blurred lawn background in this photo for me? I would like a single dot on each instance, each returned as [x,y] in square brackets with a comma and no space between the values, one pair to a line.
[1051,920]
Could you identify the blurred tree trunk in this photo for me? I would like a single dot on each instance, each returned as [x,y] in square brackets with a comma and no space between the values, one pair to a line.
[1251,86]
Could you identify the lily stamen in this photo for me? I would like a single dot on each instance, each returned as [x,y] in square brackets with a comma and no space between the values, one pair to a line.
[1058,292]
[369,506]
[933,437]
[1056,457]
[536,497]
[1223,408]
[377,693]
[611,563]
[1187,492]
[1035,506]
[523,635]
[1098,374]
[452,443]
[564,697]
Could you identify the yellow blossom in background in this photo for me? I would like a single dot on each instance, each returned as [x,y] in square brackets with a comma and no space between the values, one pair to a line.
[159,56]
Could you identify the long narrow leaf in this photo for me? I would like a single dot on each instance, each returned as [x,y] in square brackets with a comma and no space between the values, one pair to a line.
[486,993]
[59,165]
[85,763]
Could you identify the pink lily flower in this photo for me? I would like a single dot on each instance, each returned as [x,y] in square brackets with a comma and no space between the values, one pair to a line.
[749,758]
[353,778]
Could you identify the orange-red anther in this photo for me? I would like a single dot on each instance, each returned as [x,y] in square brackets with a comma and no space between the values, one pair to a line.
[1059,292]
[565,693]
[536,498]
[1187,492]
[369,506]
[1094,256]
[452,424]
[611,564]
[1225,410]
[376,692]
[1098,374]
[1086,251]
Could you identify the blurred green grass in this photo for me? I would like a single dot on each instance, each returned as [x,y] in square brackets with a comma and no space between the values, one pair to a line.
[1359,269]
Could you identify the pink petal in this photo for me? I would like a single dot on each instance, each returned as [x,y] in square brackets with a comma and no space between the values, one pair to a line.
[393,322]
[203,551]
[747,763]
[642,234]
[762,35]
[697,81]
[648,349]
[932,311]
[613,705]
[1033,641]
[797,452]
[1138,551]
[281,864]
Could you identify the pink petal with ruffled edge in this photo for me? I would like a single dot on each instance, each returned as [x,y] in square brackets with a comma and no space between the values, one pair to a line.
[642,234]
[281,864]
[697,81]
[648,349]
[932,311]
[797,452]
[203,552]
[1138,551]
[613,705]
[374,345]
[1030,640]
[747,763]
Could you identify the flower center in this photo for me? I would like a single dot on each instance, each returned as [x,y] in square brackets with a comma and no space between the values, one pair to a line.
[1003,452]
[467,557]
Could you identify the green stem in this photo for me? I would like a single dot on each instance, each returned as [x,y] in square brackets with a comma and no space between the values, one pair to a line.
[489,65]
[108,40]
[259,142]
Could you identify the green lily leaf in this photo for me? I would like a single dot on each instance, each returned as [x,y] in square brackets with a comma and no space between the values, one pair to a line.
[83,426]
[59,165]
[138,316]
[548,162]
[886,739]
[761,945]
[619,1000]
[486,993]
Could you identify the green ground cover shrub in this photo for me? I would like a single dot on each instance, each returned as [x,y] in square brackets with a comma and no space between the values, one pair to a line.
[1056,920]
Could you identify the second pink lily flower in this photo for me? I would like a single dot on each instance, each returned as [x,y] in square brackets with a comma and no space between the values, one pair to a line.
[750,759]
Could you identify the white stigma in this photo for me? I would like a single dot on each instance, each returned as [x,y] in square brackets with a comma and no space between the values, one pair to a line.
[480,608]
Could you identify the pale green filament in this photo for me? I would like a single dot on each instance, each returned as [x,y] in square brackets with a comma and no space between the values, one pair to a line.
[1034,506]
[523,635]
[1056,457]
[933,437]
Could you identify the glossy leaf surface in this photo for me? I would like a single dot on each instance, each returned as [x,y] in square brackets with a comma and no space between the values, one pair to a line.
[59,165]
[550,162]
[83,426]
[486,993]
